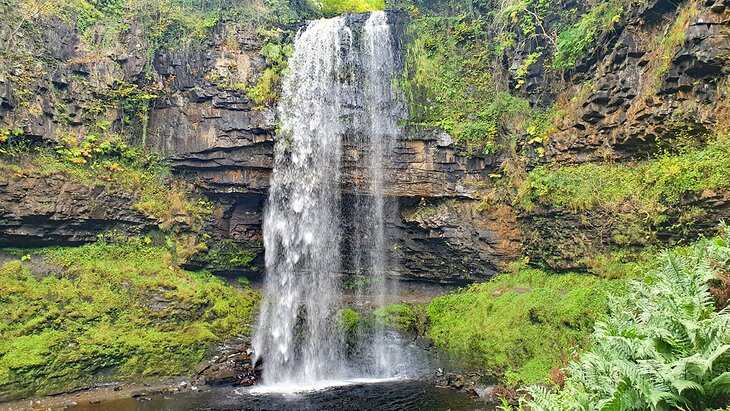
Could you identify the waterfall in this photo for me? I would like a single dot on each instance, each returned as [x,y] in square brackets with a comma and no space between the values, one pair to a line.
[338,83]
[382,112]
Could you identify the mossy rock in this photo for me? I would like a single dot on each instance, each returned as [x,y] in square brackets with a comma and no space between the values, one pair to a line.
[113,312]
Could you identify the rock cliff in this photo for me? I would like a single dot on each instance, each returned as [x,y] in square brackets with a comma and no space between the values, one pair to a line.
[628,99]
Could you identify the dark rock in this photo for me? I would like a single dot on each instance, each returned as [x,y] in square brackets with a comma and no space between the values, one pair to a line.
[62,39]
[230,366]
[567,240]
[627,114]
[40,211]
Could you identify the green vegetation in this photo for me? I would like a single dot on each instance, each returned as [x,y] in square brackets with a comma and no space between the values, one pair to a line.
[663,347]
[571,34]
[164,23]
[399,316]
[335,7]
[449,84]
[351,325]
[648,188]
[109,163]
[349,320]
[228,256]
[675,37]
[520,325]
[267,89]
[107,312]
[455,78]
[574,41]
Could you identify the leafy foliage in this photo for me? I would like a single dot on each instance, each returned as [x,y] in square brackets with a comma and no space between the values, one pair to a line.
[663,347]
[574,41]
[519,325]
[109,311]
[570,34]
[276,52]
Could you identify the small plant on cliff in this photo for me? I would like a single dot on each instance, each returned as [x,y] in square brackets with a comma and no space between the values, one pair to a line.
[675,37]
[574,42]
[267,89]
[663,347]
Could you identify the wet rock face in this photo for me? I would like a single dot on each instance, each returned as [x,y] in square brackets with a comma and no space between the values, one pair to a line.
[568,240]
[37,211]
[441,240]
[62,40]
[231,365]
[214,135]
[221,141]
[639,99]
[423,163]
[454,243]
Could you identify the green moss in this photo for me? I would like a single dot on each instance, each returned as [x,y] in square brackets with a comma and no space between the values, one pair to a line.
[520,325]
[399,316]
[115,311]
[349,320]
[228,256]
[621,263]
[647,188]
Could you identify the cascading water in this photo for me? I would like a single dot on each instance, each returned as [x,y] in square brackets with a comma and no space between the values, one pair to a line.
[302,221]
[339,82]
[382,112]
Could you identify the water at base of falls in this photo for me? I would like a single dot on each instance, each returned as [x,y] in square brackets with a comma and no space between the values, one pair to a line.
[390,396]
[339,83]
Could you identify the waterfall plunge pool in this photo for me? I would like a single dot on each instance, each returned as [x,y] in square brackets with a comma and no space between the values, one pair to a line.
[375,395]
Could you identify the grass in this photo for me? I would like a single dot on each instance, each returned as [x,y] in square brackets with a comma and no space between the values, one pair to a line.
[110,312]
[675,37]
[521,325]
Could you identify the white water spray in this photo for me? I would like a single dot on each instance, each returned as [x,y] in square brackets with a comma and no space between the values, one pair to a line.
[339,81]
